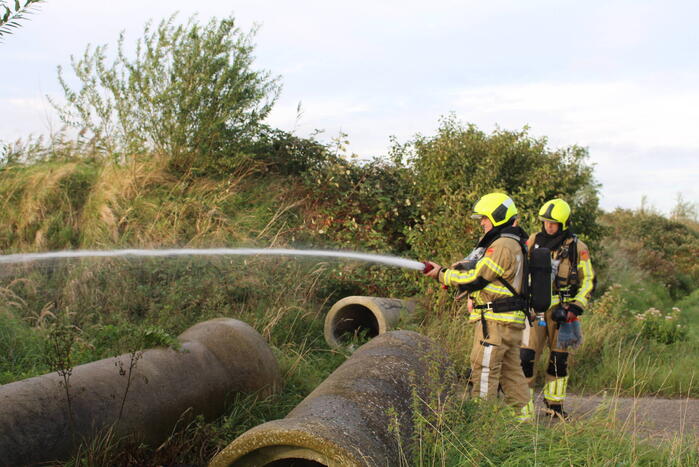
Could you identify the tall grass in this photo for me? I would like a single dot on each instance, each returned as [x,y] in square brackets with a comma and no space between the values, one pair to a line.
[466,433]
[90,204]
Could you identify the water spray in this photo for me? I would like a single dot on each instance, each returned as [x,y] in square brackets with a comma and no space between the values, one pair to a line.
[380,259]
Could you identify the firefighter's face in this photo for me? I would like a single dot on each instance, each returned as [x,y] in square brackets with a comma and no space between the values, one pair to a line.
[551,228]
[486,224]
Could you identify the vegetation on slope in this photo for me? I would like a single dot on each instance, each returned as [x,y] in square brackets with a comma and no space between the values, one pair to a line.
[185,161]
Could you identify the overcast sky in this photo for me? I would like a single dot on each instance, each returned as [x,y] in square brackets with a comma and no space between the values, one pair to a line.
[619,77]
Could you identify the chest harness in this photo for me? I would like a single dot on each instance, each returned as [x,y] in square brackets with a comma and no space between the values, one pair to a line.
[518,301]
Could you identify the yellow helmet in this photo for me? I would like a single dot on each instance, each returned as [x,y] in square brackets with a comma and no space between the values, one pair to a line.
[498,207]
[555,210]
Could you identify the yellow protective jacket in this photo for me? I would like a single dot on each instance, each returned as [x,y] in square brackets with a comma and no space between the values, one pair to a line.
[563,282]
[503,258]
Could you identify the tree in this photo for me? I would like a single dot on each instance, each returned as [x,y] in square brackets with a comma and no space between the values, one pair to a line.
[461,163]
[684,210]
[10,17]
[190,94]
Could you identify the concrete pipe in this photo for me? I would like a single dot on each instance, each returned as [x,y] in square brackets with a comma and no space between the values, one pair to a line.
[361,415]
[216,359]
[371,315]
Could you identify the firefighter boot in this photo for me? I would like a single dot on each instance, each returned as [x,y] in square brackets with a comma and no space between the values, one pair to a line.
[555,411]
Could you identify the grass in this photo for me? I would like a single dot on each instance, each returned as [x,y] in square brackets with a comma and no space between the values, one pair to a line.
[110,302]
[467,434]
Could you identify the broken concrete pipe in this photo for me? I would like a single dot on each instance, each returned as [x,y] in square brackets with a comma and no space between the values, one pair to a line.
[361,415]
[371,316]
[216,359]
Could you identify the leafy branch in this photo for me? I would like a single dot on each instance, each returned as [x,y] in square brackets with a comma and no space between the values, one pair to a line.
[10,17]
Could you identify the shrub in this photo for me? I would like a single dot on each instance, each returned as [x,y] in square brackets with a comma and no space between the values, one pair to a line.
[190,93]
[664,249]
[661,327]
[453,169]
[368,204]
[612,303]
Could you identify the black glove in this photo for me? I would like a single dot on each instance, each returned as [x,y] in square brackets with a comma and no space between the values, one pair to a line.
[559,315]
[575,309]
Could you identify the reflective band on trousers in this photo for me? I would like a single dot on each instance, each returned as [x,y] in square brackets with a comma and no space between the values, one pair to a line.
[555,390]
[525,414]
[509,317]
[485,371]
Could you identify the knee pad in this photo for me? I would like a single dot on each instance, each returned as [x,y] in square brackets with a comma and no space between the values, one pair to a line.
[558,364]
[526,356]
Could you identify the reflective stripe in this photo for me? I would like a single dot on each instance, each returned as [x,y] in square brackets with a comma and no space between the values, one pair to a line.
[509,317]
[525,414]
[555,391]
[587,282]
[496,289]
[492,265]
[525,337]
[485,371]
[452,276]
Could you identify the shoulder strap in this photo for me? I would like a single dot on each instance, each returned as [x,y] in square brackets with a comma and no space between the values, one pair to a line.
[573,255]
[525,264]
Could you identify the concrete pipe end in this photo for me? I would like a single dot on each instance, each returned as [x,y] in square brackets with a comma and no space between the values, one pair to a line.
[274,444]
[355,316]
[242,350]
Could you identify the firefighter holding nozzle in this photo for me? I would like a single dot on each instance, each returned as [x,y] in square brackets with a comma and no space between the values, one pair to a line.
[493,278]
[558,328]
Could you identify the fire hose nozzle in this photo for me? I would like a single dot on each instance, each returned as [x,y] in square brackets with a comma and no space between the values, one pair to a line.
[428,267]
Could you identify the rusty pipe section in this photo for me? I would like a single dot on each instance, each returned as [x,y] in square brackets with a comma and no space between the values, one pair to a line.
[369,315]
[361,415]
[216,359]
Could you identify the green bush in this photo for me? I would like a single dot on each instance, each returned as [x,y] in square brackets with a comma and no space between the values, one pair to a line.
[362,204]
[661,327]
[662,248]
[190,94]
[282,152]
[453,169]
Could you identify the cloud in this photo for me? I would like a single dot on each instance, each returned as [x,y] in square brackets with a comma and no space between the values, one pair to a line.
[24,116]
[590,113]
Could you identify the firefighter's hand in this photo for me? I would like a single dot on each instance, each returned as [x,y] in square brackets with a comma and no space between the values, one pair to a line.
[559,315]
[573,308]
[434,271]
[573,311]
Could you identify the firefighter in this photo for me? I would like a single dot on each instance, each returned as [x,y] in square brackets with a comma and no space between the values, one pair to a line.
[492,277]
[558,328]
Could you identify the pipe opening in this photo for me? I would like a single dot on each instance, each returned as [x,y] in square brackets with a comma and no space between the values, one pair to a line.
[354,321]
[295,462]
[281,456]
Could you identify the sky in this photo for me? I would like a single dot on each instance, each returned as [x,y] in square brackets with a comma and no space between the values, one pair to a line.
[618,77]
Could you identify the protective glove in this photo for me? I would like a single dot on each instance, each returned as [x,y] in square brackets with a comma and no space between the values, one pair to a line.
[573,308]
[432,269]
[559,315]
[569,335]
